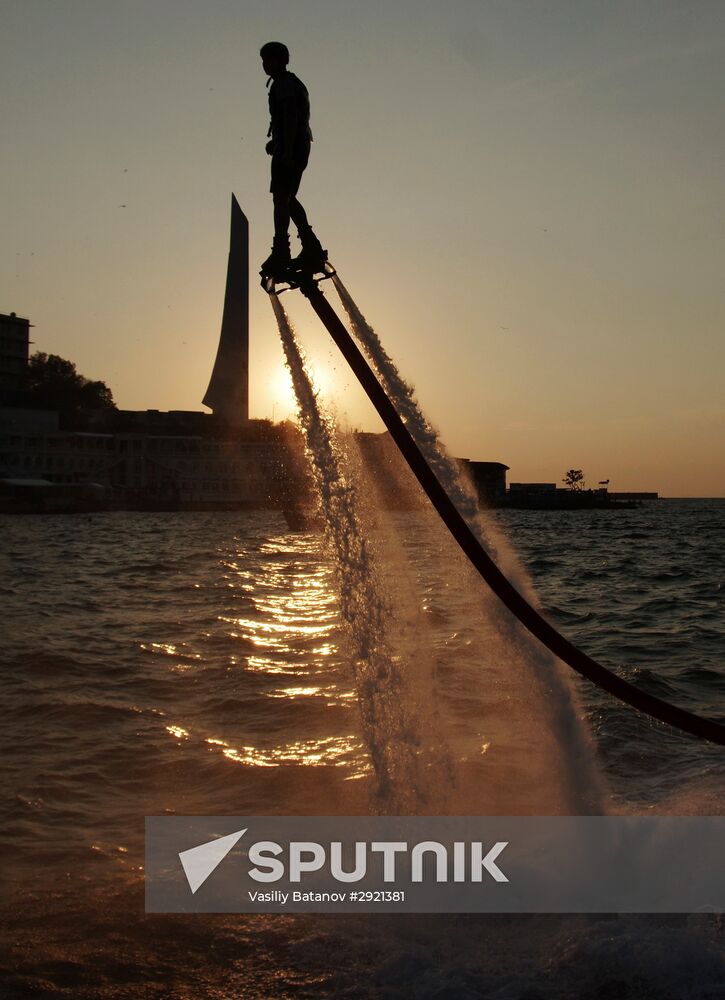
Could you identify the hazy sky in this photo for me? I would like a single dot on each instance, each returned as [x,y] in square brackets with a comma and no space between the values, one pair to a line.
[526,199]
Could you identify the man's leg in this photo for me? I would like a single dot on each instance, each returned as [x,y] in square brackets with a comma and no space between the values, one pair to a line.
[279,260]
[281,201]
[312,256]
[298,215]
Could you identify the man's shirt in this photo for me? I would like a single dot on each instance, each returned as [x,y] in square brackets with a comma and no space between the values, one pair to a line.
[288,88]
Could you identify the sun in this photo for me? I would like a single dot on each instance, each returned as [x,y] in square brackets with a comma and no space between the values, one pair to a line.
[284,401]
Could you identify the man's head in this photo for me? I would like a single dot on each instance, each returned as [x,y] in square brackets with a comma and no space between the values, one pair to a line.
[275,57]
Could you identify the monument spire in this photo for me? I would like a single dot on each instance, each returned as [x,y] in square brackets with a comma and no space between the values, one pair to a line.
[228,392]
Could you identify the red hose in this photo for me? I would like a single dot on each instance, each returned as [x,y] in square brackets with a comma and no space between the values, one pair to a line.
[706,729]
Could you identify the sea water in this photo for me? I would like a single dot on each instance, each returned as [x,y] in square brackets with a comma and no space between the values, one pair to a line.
[198,663]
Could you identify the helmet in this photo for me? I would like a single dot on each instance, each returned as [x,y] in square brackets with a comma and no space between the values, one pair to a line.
[276,50]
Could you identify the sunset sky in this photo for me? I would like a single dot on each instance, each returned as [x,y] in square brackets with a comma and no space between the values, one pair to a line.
[527,200]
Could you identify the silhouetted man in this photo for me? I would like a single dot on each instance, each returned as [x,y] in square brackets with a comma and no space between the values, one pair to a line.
[289,147]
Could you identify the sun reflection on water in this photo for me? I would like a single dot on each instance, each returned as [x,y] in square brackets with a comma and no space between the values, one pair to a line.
[285,625]
[178,731]
[337,751]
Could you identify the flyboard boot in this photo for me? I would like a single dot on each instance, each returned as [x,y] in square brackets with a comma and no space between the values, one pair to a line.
[312,257]
[278,263]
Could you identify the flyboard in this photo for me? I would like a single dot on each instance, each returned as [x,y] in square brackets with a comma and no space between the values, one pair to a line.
[308,283]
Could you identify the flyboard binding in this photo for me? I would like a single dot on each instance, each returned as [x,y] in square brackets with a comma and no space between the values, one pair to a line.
[295,276]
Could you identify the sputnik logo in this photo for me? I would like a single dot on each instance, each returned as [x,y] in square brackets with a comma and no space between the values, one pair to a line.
[199,862]
[306,857]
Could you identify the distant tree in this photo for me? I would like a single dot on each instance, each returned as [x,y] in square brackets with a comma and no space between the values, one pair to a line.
[54,384]
[574,480]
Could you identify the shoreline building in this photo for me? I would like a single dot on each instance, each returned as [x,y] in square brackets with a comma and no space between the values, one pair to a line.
[14,351]
[488,479]
[153,460]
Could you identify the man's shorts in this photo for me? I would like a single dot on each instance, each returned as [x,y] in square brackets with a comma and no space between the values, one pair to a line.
[286,181]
